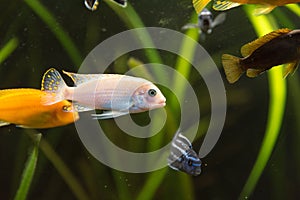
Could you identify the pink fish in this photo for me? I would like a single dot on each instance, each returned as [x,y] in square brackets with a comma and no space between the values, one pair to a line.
[116,94]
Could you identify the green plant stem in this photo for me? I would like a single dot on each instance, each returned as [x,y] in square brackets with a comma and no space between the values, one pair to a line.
[29,170]
[64,171]
[182,66]
[8,48]
[132,20]
[294,8]
[277,90]
[152,183]
[57,30]
[154,179]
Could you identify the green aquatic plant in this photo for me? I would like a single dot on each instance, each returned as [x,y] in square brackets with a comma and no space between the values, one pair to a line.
[8,48]
[130,17]
[89,179]
[64,170]
[183,66]
[294,8]
[58,163]
[29,169]
[57,30]
[277,89]
[132,20]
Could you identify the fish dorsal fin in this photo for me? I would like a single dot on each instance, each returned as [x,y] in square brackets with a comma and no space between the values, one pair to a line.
[224,5]
[54,85]
[52,81]
[263,9]
[199,5]
[248,49]
[82,78]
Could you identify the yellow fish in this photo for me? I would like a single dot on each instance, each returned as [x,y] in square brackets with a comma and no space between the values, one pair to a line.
[278,47]
[265,6]
[23,107]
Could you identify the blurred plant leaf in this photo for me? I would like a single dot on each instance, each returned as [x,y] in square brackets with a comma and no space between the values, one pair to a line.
[294,8]
[277,86]
[8,48]
[29,169]
[64,171]
[57,30]
[132,20]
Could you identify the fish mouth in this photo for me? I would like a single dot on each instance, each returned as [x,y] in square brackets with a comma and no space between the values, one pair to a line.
[158,105]
[162,103]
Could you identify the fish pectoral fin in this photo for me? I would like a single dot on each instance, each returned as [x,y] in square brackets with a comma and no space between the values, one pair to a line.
[189,26]
[290,68]
[224,5]
[3,123]
[81,108]
[254,72]
[109,114]
[263,9]
[219,19]
[249,48]
[199,5]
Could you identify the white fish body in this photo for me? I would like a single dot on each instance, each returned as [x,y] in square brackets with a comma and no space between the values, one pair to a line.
[119,94]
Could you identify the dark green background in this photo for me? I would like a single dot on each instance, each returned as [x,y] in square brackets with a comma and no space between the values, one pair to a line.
[226,167]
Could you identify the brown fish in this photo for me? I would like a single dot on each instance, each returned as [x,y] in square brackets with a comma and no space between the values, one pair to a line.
[265,6]
[278,47]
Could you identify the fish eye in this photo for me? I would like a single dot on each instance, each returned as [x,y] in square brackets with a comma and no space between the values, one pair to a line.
[66,108]
[152,92]
[190,162]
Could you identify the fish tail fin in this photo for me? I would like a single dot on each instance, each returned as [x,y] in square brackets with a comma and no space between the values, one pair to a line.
[232,67]
[54,85]
[290,69]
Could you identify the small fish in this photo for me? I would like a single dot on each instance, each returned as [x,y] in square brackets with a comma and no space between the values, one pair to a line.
[265,6]
[206,22]
[93,4]
[116,94]
[23,107]
[278,47]
[182,156]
